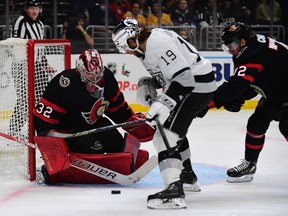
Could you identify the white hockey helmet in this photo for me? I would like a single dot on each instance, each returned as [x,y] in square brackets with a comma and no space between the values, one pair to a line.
[127,28]
[90,66]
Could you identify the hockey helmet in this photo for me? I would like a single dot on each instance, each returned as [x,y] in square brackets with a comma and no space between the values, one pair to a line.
[32,3]
[235,32]
[90,66]
[127,28]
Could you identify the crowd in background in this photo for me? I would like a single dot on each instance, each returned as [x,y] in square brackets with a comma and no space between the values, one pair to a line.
[192,13]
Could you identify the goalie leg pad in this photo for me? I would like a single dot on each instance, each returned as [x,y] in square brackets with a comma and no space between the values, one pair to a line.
[54,153]
[131,144]
[119,162]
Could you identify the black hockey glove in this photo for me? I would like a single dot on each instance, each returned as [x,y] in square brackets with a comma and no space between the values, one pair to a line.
[235,105]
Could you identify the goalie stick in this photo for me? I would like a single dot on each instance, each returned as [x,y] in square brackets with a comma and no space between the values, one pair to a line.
[95,130]
[15,139]
[98,170]
[111,175]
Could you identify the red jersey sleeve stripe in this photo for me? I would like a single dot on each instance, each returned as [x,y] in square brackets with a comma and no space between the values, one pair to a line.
[54,106]
[52,121]
[249,78]
[257,66]
[114,109]
[113,99]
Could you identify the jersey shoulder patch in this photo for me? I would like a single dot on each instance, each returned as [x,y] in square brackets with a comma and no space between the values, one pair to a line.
[64,81]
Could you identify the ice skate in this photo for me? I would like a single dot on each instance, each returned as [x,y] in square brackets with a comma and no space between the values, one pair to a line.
[244,172]
[189,181]
[171,197]
[42,176]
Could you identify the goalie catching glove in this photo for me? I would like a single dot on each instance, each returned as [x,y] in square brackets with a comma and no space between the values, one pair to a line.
[161,107]
[146,90]
[142,132]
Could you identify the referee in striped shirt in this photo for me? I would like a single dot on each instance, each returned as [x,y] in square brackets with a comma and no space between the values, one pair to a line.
[28,25]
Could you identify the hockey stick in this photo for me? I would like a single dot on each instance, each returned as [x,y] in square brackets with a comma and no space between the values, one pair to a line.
[18,140]
[161,131]
[98,170]
[111,175]
[95,130]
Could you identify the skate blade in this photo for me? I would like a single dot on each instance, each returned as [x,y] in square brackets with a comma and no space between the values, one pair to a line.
[245,178]
[191,187]
[174,203]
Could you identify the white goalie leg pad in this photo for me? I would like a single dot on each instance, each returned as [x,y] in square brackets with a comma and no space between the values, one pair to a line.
[244,178]
[174,203]
[158,142]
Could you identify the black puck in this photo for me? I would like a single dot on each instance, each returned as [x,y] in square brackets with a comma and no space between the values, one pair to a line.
[115,192]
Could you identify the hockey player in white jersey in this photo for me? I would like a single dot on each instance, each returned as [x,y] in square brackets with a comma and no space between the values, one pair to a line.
[188,84]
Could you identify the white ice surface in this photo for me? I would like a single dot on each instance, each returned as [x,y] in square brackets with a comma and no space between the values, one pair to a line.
[217,143]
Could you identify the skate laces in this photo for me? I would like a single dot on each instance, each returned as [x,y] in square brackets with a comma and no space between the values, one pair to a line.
[243,165]
[169,187]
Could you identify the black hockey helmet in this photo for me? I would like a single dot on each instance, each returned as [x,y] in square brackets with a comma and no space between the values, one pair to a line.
[32,3]
[235,32]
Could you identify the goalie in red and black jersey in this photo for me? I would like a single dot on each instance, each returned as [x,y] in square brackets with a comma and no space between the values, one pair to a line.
[74,101]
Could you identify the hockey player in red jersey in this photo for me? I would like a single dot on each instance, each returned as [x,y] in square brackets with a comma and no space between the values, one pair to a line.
[75,100]
[260,67]
[188,84]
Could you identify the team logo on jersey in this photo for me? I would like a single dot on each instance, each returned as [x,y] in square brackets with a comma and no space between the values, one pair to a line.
[97,146]
[64,81]
[96,111]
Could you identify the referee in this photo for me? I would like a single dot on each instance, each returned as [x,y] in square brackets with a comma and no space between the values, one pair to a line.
[28,26]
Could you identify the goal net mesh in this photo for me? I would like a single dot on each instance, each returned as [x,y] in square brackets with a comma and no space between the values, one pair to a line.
[26,67]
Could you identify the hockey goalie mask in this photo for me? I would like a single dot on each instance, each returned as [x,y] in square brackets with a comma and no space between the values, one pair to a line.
[91,68]
[127,28]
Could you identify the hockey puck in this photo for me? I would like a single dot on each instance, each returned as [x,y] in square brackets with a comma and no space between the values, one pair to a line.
[115,192]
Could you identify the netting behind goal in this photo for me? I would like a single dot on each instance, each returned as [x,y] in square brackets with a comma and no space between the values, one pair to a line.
[26,67]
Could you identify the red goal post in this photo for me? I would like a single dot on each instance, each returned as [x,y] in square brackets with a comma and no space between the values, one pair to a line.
[26,67]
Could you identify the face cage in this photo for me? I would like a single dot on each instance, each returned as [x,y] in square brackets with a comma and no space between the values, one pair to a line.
[85,75]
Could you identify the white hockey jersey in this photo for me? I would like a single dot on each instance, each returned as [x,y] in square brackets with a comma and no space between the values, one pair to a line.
[168,57]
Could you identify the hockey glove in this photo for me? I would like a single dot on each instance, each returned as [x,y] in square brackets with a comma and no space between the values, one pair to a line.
[162,106]
[146,89]
[142,132]
[235,105]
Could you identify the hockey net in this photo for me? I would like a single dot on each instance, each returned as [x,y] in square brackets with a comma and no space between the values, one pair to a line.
[26,67]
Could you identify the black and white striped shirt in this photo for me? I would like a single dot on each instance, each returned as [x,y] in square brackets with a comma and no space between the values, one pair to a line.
[26,28]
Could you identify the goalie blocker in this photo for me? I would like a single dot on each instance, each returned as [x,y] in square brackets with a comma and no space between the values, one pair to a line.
[56,169]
